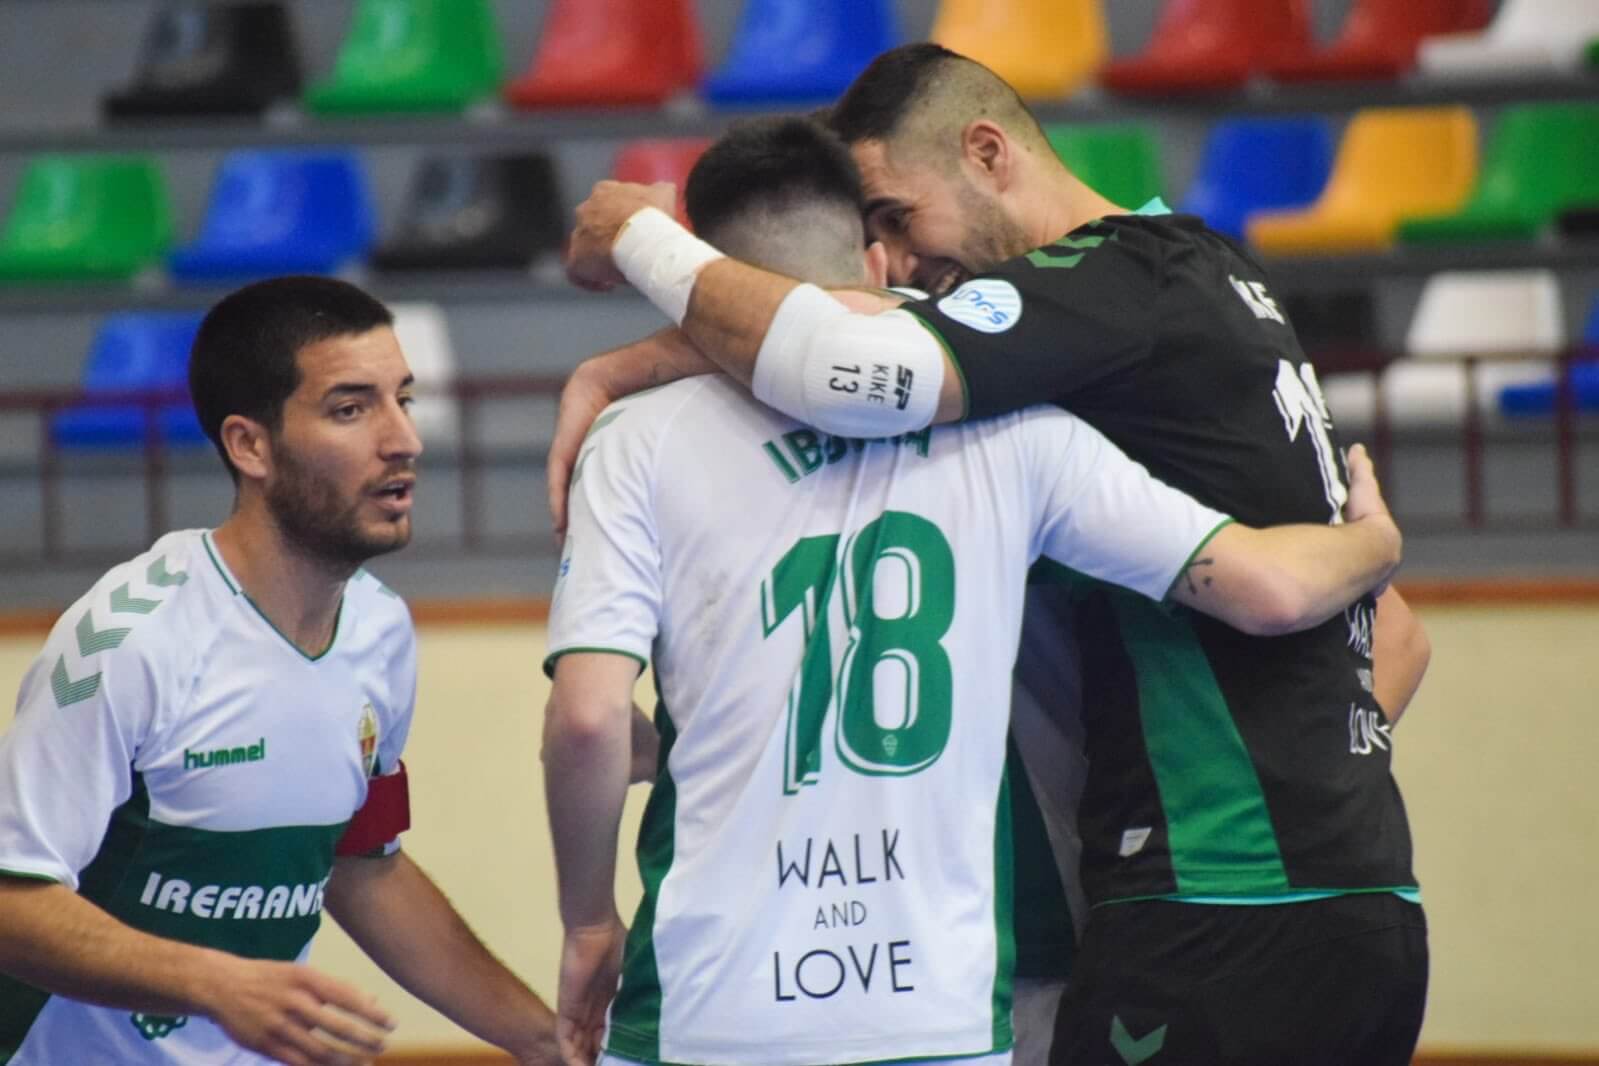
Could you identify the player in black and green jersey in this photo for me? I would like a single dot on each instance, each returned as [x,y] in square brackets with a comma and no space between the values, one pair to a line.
[1226,772]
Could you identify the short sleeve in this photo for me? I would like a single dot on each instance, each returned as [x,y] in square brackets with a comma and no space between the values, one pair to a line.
[1103,515]
[84,712]
[1045,325]
[402,693]
[608,590]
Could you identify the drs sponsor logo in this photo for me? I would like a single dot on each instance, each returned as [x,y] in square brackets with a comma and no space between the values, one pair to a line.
[987,305]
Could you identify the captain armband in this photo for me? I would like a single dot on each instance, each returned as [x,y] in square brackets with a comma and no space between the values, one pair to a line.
[847,374]
[383,817]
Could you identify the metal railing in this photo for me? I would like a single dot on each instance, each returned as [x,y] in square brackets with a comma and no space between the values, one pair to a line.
[1562,433]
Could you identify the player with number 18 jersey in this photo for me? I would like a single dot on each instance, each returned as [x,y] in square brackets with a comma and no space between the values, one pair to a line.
[832,623]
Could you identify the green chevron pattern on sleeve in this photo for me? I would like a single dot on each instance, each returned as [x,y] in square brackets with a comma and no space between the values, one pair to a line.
[92,641]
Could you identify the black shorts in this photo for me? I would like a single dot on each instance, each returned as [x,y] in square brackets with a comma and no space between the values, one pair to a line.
[1331,982]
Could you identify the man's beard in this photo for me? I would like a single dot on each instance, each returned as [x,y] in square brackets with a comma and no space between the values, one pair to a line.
[991,235]
[320,524]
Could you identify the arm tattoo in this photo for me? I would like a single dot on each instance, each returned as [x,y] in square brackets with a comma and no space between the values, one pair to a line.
[1189,574]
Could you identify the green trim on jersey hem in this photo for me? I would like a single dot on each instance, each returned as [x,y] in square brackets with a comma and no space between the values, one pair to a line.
[1410,894]
[966,392]
[1003,1032]
[549,660]
[960,1057]
[1223,524]
[24,876]
[638,993]
[338,620]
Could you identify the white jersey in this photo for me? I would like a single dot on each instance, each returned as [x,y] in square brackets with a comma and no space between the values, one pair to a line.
[825,855]
[181,764]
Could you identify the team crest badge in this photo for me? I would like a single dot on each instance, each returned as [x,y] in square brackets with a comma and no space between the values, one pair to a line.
[156,1026]
[369,739]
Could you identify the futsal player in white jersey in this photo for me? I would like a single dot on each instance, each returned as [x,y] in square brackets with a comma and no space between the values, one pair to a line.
[832,624]
[206,753]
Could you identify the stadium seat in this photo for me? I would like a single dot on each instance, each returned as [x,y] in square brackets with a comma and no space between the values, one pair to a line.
[1393,163]
[1487,314]
[1260,164]
[286,212]
[1543,157]
[1379,39]
[1045,49]
[1120,162]
[147,351]
[648,161]
[1539,398]
[611,53]
[211,59]
[86,218]
[1211,45]
[413,56]
[788,51]
[1527,38]
[424,337]
[477,213]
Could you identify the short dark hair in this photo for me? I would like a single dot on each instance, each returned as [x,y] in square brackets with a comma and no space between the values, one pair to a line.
[886,91]
[772,163]
[244,359]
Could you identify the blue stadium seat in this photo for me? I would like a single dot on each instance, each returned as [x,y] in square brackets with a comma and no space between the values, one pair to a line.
[131,353]
[801,50]
[286,212]
[1259,164]
[1522,401]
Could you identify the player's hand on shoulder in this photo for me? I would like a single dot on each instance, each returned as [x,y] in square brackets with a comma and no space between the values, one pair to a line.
[599,220]
[295,1015]
[591,961]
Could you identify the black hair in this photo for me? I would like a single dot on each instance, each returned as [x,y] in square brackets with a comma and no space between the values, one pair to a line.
[887,90]
[771,163]
[244,359]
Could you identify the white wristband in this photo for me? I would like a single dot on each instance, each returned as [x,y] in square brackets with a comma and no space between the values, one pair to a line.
[661,259]
[850,375]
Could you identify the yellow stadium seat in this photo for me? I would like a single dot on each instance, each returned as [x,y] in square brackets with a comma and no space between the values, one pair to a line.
[1393,163]
[1045,49]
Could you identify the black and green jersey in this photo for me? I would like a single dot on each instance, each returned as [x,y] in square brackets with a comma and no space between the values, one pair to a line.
[1221,765]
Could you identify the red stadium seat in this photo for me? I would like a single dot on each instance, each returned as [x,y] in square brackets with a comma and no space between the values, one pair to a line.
[611,53]
[1211,46]
[651,160]
[1379,40]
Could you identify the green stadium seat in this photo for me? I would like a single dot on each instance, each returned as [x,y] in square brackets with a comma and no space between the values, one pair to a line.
[413,56]
[86,218]
[1120,162]
[1543,159]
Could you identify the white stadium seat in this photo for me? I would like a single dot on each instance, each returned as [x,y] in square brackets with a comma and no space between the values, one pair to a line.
[1487,314]
[1527,38]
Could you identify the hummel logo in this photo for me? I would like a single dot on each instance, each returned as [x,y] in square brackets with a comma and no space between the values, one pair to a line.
[200,760]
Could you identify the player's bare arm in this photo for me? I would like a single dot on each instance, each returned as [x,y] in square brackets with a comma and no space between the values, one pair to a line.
[398,916]
[587,756]
[729,309]
[52,938]
[1284,579]
[1400,653]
